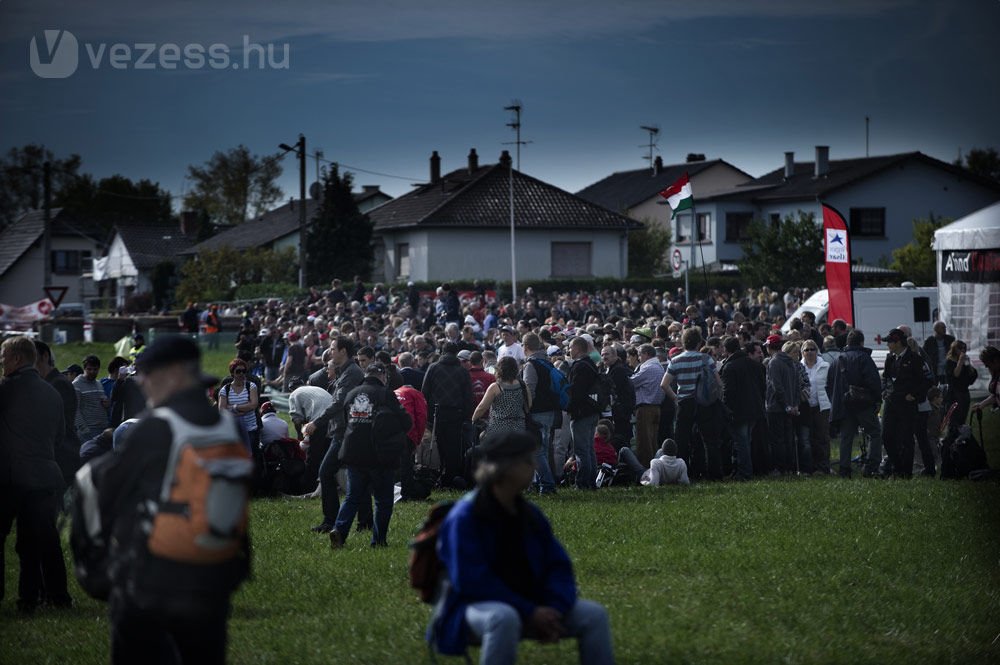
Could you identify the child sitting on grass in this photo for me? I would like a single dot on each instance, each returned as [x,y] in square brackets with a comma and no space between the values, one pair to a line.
[666,468]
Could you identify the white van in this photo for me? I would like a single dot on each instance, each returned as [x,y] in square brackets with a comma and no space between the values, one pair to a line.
[877,311]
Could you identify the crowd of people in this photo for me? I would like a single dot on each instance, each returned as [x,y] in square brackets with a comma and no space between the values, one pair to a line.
[553,393]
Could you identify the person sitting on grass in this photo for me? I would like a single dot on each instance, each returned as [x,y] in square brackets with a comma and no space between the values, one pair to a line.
[507,576]
[666,468]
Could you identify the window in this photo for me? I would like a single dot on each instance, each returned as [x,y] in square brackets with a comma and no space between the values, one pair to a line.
[738,226]
[684,227]
[868,222]
[70,261]
[571,259]
[403,260]
[775,218]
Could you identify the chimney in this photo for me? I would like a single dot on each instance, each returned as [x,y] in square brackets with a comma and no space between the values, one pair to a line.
[505,159]
[822,160]
[435,167]
[369,189]
[189,220]
[473,161]
[657,165]
[789,165]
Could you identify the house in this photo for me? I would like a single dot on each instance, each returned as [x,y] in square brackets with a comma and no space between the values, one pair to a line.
[279,228]
[637,193]
[458,226]
[141,259]
[879,197]
[74,242]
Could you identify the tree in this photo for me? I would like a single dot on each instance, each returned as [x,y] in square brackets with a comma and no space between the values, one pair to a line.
[216,274]
[234,186]
[339,239]
[784,255]
[983,162]
[117,200]
[648,250]
[915,261]
[22,179]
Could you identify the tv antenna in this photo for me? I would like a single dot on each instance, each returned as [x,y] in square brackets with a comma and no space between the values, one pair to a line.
[654,132]
[515,106]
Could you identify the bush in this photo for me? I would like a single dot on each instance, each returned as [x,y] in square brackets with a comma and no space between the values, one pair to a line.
[266,290]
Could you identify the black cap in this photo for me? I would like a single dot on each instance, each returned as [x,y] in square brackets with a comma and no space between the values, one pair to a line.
[73,369]
[167,350]
[375,369]
[505,445]
[895,335]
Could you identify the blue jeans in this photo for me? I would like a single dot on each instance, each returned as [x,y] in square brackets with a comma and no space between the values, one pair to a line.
[363,482]
[499,628]
[543,473]
[741,445]
[583,447]
[328,469]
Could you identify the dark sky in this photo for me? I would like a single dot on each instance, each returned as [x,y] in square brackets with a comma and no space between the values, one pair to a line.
[378,85]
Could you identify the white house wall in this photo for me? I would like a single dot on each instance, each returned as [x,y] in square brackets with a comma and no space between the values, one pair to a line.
[24,282]
[443,254]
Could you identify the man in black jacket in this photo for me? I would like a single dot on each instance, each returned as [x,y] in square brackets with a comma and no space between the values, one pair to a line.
[447,388]
[936,348]
[623,403]
[68,450]
[854,389]
[905,385]
[371,456]
[743,385]
[160,607]
[583,411]
[332,425]
[31,429]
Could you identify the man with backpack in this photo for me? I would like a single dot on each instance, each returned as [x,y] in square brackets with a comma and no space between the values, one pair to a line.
[584,410]
[173,506]
[855,389]
[546,404]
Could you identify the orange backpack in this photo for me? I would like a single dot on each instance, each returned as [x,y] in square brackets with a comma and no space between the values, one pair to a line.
[201,514]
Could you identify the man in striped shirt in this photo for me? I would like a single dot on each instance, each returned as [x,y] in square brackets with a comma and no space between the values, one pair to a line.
[92,403]
[704,454]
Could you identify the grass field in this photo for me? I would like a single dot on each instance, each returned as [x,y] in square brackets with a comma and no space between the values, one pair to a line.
[791,570]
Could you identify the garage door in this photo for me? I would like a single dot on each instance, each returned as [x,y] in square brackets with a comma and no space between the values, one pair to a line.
[571,259]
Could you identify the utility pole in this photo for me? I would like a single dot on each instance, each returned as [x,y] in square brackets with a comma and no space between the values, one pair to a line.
[516,126]
[300,149]
[47,217]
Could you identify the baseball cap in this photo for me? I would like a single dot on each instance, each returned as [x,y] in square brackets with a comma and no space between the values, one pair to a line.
[895,335]
[645,332]
[167,350]
[464,354]
[505,445]
[554,351]
[774,341]
[73,369]
[507,329]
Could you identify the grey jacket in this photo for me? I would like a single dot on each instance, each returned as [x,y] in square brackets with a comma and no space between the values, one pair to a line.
[784,384]
[349,377]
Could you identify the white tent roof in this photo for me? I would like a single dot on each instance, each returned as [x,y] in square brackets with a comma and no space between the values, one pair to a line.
[979,230]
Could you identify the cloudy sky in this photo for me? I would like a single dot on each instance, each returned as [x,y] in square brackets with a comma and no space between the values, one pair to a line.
[377,85]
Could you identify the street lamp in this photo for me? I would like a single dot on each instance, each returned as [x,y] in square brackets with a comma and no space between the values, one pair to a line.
[300,149]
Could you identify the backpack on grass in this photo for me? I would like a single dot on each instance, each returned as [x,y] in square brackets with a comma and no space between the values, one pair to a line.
[425,567]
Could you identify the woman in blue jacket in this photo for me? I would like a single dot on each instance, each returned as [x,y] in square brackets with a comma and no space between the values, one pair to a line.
[508,576]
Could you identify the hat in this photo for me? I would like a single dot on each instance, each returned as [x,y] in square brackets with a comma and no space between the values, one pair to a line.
[505,445]
[264,332]
[507,329]
[774,341]
[895,335]
[168,350]
[73,369]
[266,407]
[375,369]
[645,332]
[471,320]
[637,339]
[137,336]
[674,350]
[554,350]
[464,354]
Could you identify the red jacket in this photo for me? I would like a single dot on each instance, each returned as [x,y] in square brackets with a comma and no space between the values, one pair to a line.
[604,451]
[414,403]
[481,380]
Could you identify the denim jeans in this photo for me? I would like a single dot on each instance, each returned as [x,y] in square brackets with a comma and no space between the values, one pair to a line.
[328,469]
[363,482]
[583,447]
[499,628]
[543,474]
[741,446]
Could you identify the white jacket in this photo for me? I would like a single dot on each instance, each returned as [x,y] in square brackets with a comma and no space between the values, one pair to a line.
[817,384]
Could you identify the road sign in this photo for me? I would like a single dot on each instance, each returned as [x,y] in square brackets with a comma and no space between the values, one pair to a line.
[56,294]
[676,260]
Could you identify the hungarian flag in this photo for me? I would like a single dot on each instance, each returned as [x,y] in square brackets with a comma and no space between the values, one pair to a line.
[678,195]
[838,267]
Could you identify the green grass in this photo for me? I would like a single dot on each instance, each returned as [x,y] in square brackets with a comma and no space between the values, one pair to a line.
[790,570]
[798,571]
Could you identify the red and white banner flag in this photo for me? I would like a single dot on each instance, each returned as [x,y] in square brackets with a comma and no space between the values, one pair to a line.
[837,246]
[36,311]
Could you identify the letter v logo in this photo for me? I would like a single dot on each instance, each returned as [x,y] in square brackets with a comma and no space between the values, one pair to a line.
[57,58]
